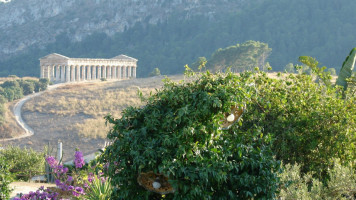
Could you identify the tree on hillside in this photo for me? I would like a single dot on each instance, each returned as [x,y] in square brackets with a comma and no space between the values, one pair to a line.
[240,57]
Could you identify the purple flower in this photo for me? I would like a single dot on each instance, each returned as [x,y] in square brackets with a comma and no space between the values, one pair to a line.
[90,177]
[70,187]
[52,162]
[69,179]
[79,190]
[79,160]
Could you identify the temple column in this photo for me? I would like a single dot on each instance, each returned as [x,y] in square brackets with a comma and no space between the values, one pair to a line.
[45,75]
[94,73]
[134,72]
[104,72]
[83,73]
[114,72]
[72,73]
[42,72]
[109,72]
[77,73]
[119,73]
[62,73]
[130,72]
[124,72]
[88,73]
[57,73]
[50,73]
[99,72]
[67,73]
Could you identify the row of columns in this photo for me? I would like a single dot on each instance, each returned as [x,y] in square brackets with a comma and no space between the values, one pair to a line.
[71,73]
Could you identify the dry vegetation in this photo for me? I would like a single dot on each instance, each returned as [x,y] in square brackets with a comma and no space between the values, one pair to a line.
[92,100]
[10,78]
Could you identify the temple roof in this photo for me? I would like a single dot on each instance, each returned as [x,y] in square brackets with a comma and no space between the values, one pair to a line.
[124,57]
[54,55]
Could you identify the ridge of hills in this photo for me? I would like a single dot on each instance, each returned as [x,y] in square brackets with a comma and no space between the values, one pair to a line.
[186,30]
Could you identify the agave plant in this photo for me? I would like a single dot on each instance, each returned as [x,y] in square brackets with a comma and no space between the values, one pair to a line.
[100,189]
[346,69]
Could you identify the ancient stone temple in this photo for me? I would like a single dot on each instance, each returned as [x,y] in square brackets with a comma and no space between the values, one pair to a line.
[58,68]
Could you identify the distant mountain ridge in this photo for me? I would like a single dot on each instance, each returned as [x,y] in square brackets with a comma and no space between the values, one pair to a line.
[24,23]
[168,34]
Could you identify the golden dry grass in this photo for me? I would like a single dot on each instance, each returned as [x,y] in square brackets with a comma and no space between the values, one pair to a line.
[94,101]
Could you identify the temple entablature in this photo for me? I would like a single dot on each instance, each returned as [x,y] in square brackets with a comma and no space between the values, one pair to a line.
[58,68]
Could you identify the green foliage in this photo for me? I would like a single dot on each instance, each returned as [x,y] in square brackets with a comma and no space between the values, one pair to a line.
[5,179]
[199,64]
[289,68]
[178,133]
[320,72]
[99,190]
[340,185]
[155,72]
[27,87]
[103,79]
[242,57]
[8,84]
[346,69]
[308,121]
[23,162]
[332,71]
[16,89]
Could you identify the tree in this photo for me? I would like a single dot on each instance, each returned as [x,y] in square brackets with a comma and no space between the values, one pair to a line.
[13,83]
[332,71]
[155,72]
[178,135]
[242,57]
[28,87]
[199,64]
[289,68]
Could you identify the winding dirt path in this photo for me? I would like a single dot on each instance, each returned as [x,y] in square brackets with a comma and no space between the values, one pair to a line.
[28,131]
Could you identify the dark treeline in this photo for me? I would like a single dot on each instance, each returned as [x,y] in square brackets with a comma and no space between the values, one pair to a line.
[318,28]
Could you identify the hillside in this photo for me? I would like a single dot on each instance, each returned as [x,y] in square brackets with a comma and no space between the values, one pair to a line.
[74,113]
[170,34]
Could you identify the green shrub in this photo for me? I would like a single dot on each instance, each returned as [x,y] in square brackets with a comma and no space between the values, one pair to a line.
[289,68]
[309,122]
[178,133]
[5,179]
[23,162]
[155,72]
[340,185]
[332,71]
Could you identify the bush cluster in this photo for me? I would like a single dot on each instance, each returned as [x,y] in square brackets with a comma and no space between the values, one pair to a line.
[23,163]
[310,123]
[16,89]
[178,133]
[296,185]
[5,179]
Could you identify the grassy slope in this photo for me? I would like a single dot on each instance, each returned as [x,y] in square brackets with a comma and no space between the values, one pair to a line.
[73,114]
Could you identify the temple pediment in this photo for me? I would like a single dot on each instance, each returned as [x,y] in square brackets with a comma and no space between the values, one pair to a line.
[124,57]
[54,56]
